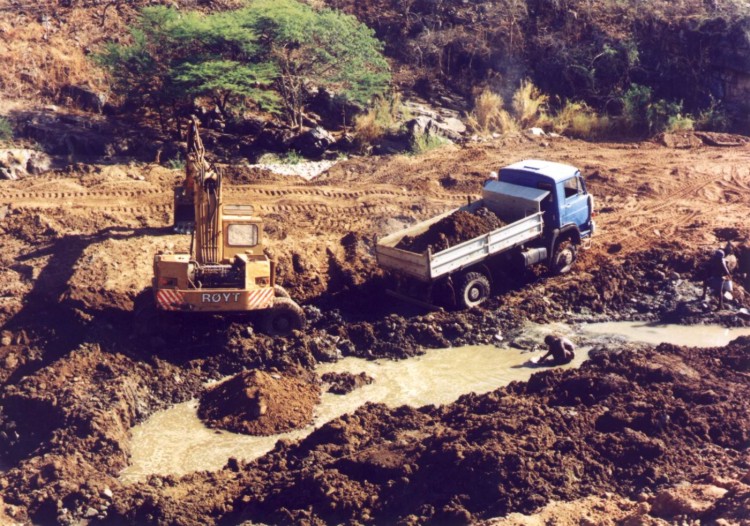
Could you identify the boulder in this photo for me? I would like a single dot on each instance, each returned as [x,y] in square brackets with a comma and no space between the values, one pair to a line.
[84,98]
[312,143]
[16,163]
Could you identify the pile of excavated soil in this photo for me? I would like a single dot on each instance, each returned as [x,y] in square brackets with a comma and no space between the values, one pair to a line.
[261,403]
[343,383]
[452,230]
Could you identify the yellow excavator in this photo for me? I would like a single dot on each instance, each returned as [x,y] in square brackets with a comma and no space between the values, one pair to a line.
[226,270]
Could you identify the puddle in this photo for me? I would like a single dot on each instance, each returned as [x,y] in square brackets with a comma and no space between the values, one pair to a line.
[652,333]
[176,442]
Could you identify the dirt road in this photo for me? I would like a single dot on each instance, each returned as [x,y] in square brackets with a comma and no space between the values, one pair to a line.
[77,253]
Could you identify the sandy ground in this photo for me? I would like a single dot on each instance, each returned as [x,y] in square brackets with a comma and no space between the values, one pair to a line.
[78,248]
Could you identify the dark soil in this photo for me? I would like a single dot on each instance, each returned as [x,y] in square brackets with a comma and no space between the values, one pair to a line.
[261,403]
[343,383]
[452,230]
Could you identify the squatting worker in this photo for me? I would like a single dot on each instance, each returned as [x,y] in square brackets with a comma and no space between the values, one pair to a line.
[560,349]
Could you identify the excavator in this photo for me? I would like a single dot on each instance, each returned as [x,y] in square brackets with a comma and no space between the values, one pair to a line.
[226,270]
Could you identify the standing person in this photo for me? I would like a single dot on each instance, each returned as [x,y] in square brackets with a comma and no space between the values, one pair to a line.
[560,349]
[717,273]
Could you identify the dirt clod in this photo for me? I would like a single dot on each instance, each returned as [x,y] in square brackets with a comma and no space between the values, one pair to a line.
[261,403]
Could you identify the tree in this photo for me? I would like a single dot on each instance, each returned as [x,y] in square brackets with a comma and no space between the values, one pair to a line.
[174,57]
[272,54]
[317,48]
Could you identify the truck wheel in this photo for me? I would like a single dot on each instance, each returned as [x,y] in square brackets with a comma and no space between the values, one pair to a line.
[474,289]
[280,292]
[284,317]
[565,256]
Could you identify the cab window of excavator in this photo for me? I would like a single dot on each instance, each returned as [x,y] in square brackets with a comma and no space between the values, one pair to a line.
[242,235]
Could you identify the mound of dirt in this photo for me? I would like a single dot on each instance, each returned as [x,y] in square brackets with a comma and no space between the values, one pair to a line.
[452,230]
[260,403]
[343,383]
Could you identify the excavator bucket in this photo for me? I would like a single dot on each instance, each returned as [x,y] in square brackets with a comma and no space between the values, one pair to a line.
[184,211]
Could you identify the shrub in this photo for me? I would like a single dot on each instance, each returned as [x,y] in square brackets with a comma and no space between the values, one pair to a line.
[425,142]
[580,120]
[382,116]
[292,157]
[529,104]
[713,118]
[667,116]
[6,130]
[635,104]
[176,162]
[489,116]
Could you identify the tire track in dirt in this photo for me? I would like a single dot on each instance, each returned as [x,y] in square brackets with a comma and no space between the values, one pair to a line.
[645,226]
[370,202]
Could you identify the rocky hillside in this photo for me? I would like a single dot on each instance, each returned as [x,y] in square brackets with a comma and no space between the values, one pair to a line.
[692,52]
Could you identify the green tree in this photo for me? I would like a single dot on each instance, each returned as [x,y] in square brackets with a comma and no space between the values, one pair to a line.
[315,48]
[174,57]
[273,54]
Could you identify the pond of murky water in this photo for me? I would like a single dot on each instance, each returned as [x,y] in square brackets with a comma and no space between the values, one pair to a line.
[176,442]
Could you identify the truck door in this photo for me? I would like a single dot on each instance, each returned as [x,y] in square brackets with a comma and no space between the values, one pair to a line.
[575,208]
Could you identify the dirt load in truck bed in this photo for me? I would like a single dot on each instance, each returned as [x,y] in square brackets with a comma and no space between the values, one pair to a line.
[458,227]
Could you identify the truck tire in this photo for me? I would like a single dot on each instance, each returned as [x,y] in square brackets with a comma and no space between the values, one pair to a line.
[564,258]
[280,292]
[283,317]
[473,290]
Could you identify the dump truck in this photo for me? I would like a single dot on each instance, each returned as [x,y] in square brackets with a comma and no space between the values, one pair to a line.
[548,216]
[226,270]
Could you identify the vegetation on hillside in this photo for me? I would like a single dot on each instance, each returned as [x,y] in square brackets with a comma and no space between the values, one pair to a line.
[574,51]
[272,54]
[607,68]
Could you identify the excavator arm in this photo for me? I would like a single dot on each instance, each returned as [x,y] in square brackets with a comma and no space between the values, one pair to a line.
[197,201]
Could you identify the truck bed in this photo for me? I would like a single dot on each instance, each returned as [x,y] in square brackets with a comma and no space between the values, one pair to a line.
[428,266]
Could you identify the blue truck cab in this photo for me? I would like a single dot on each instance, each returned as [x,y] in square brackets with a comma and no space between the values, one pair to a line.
[569,206]
[567,210]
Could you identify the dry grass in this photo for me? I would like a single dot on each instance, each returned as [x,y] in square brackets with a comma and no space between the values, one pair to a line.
[37,59]
[489,116]
[384,114]
[529,104]
[577,119]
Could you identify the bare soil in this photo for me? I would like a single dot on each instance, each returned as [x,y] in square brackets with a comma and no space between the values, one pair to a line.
[261,403]
[636,436]
[458,227]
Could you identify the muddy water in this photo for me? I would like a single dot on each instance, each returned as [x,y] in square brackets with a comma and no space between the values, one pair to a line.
[176,442]
[686,335]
